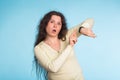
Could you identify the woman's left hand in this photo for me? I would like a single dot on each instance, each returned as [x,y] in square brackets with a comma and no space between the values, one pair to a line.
[87,32]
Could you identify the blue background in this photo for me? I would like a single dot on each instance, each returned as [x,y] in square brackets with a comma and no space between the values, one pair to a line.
[99,57]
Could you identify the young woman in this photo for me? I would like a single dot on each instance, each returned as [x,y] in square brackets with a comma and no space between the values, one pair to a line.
[54,47]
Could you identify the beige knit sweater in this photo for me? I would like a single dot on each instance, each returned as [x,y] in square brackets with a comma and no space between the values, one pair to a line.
[62,64]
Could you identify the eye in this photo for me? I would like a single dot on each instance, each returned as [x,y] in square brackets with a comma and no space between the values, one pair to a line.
[51,21]
[59,23]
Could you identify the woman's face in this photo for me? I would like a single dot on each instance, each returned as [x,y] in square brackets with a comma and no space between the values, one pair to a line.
[54,26]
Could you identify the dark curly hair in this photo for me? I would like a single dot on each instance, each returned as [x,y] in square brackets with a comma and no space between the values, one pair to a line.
[42,35]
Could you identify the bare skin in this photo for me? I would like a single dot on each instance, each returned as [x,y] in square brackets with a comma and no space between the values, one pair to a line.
[88,32]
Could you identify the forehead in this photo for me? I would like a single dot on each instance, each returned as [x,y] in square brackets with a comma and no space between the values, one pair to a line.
[56,18]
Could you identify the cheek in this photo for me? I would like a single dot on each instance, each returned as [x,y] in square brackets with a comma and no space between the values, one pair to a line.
[59,30]
[60,27]
[47,29]
[48,26]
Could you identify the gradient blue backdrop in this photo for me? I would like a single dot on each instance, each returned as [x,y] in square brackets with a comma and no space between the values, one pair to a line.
[99,57]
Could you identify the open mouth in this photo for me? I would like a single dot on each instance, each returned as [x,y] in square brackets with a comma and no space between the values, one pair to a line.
[53,30]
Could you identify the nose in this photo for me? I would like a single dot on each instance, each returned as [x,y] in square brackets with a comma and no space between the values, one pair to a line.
[55,25]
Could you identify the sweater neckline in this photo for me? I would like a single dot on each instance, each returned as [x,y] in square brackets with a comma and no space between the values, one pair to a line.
[52,48]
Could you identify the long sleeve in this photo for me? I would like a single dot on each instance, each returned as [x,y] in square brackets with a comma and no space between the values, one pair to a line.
[88,23]
[71,30]
[47,63]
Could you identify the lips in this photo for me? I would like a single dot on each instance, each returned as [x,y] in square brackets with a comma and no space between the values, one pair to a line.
[53,30]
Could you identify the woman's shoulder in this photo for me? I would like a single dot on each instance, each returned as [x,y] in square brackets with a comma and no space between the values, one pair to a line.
[39,45]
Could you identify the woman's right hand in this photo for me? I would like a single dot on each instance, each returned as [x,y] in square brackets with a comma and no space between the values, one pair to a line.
[73,38]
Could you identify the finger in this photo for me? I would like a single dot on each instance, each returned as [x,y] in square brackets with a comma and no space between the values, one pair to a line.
[74,41]
[93,35]
[74,32]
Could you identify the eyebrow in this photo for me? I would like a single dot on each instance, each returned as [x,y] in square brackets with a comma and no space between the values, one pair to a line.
[58,21]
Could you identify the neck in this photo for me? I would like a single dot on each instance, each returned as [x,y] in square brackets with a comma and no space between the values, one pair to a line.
[51,39]
[53,42]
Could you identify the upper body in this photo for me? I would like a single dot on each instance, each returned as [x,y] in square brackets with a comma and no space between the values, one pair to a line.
[57,56]
[62,64]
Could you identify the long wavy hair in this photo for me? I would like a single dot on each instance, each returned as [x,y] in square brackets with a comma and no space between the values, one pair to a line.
[41,35]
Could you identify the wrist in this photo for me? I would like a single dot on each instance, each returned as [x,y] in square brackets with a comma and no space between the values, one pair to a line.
[80,29]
